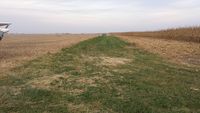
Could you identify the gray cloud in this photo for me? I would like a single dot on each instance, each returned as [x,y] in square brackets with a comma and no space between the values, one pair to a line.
[38,16]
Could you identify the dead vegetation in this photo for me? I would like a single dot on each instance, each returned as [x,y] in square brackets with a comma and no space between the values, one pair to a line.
[46,82]
[188,34]
[107,61]
[18,48]
[186,53]
[110,61]
[180,45]
[58,81]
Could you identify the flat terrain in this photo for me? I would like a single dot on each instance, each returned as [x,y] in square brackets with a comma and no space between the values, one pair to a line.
[179,52]
[19,48]
[187,34]
[101,75]
[178,45]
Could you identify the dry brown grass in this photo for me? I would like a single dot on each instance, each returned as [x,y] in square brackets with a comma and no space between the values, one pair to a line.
[46,81]
[187,53]
[112,61]
[17,48]
[189,34]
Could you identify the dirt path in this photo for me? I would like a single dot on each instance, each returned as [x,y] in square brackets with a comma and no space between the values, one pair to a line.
[16,49]
[186,53]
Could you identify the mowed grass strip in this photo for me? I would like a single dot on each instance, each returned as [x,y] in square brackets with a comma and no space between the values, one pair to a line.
[100,75]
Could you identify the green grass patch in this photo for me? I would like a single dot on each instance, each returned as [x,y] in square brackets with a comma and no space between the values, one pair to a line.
[104,74]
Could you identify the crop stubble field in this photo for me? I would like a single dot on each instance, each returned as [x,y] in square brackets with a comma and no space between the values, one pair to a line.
[16,49]
[180,45]
[188,34]
[179,52]
[106,74]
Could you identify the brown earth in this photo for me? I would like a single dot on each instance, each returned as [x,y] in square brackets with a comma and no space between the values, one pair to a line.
[180,52]
[18,48]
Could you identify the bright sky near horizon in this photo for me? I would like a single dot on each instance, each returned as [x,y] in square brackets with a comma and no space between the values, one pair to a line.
[88,16]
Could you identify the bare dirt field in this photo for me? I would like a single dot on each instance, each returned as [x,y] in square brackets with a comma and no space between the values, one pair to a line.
[18,48]
[180,52]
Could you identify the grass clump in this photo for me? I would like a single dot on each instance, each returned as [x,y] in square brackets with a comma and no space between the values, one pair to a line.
[81,79]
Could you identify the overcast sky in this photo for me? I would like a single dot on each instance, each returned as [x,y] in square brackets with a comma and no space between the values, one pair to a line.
[83,16]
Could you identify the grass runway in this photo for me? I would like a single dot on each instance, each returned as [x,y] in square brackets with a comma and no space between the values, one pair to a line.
[100,75]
